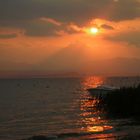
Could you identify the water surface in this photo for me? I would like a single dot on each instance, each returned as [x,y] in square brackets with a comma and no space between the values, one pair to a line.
[58,106]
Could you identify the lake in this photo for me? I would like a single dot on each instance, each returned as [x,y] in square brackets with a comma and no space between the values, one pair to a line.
[60,108]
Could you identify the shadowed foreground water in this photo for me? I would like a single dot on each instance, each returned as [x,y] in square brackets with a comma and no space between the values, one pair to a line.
[59,108]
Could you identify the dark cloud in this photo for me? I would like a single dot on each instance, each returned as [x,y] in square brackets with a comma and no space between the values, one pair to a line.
[28,9]
[132,38]
[73,10]
[125,9]
[108,27]
[7,36]
[41,29]
[33,27]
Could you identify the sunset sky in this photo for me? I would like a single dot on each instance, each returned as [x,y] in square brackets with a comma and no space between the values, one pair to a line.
[101,37]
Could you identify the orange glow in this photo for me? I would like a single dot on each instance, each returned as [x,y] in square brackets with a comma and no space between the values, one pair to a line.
[91,121]
[97,51]
[99,128]
[93,81]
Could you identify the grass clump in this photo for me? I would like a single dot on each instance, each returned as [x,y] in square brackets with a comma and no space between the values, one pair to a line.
[122,102]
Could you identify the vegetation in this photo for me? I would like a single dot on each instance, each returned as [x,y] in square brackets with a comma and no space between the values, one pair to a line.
[121,102]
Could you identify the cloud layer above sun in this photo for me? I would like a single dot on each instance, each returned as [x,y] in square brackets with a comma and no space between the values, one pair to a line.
[47,17]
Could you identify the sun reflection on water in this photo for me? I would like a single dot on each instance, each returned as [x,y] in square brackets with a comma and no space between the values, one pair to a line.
[93,120]
[92,81]
[98,128]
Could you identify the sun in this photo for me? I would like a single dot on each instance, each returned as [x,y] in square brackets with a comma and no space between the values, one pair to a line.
[94,30]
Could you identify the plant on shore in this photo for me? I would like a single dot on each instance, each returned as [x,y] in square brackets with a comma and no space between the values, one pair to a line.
[121,102]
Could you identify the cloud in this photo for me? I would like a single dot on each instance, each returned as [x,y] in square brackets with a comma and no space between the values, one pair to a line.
[48,27]
[53,17]
[133,38]
[50,20]
[108,27]
[77,11]
[124,31]
[39,28]
[7,36]
[36,27]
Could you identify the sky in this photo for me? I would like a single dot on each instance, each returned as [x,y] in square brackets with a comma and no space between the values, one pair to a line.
[58,36]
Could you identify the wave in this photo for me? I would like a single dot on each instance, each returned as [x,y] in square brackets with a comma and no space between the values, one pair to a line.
[82,135]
